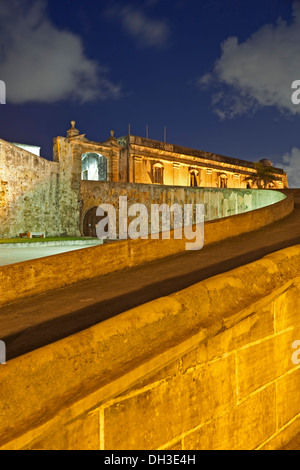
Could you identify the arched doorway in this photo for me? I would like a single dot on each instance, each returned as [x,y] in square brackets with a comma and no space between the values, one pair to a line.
[90,222]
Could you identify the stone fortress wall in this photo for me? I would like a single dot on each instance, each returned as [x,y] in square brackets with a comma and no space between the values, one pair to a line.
[41,274]
[218,203]
[29,188]
[205,368]
[51,196]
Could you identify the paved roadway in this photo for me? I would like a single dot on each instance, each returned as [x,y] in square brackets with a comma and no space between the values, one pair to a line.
[40,320]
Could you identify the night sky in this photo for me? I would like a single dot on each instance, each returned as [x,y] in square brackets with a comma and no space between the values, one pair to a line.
[218,74]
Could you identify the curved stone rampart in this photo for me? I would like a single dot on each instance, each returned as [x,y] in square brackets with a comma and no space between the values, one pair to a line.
[37,276]
[209,367]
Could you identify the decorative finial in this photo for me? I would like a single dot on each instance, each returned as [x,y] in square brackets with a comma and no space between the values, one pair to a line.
[73,132]
[112,133]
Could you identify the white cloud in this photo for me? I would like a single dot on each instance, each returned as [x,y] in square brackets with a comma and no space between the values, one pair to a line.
[149,32]
[291,164]
[259,72]
[41,63]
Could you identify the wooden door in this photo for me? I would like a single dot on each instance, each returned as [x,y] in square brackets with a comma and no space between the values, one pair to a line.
[90,223]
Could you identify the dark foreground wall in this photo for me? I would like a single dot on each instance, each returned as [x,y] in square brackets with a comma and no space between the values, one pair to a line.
[209,367]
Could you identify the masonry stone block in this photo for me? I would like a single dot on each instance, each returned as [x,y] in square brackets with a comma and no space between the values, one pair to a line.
[241,428]
[287,307]
[261,363]
[288,392]
[171,408]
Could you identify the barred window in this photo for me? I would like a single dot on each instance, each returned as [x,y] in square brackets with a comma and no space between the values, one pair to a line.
[102,169]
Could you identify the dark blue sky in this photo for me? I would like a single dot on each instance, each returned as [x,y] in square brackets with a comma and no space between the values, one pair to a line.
[154,62]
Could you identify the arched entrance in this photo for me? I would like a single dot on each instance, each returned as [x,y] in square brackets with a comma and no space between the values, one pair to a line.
[90,222]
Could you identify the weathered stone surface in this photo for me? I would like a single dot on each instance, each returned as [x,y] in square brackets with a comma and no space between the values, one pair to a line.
[167,373]
[78,434]
[287,308]
[28,192]
[41,274]
[171,408]
[49,196]
[262,363]
[258,323]
[218,203]
[283,437]
[293,444]
[176,446]
[288,391]
[241,428]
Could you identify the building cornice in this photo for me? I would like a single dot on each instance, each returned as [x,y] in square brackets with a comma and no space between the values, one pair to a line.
[176,150]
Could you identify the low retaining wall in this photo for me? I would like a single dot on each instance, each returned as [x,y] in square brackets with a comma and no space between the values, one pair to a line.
[295,192]
[217,202]
[209,367]
[41,275]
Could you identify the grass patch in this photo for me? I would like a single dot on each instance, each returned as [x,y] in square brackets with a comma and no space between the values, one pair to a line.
[42,240]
